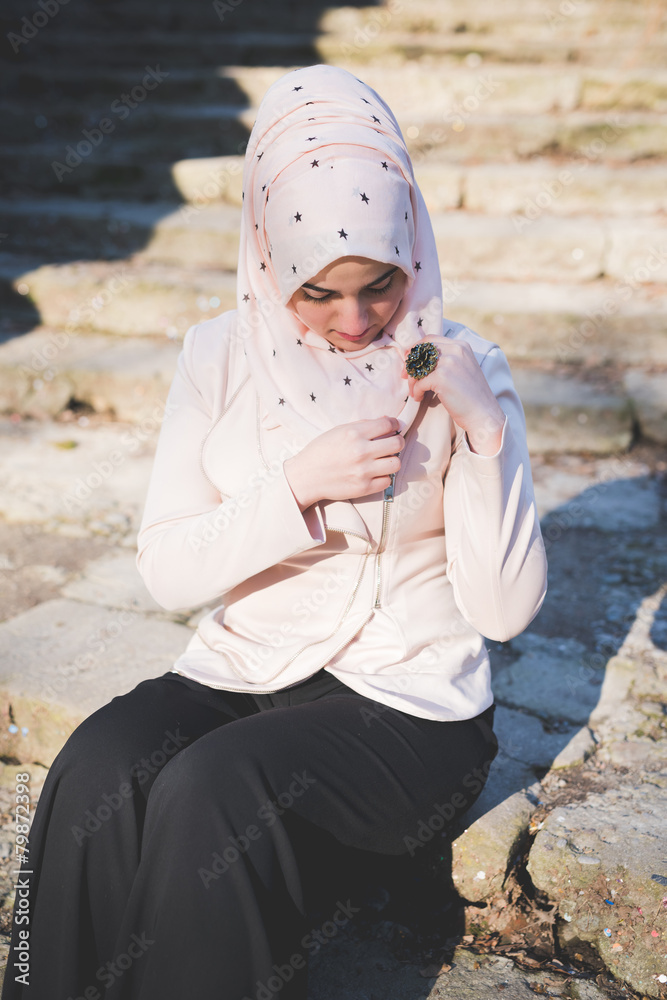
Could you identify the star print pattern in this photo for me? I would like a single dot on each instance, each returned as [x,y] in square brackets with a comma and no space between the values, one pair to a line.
[371,227]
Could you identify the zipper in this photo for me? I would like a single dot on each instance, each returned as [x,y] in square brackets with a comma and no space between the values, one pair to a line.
[210,431]
[386,500]
[259,433]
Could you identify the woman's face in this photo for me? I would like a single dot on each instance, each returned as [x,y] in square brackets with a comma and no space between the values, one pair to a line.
[350,301]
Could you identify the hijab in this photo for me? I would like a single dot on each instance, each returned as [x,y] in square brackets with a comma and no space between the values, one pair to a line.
[327,175]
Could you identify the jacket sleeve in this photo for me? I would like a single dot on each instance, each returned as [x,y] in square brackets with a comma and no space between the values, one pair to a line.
[192,547]
[496,559]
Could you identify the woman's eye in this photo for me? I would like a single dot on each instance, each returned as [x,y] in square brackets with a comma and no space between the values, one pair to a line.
[385,288]
[326,298]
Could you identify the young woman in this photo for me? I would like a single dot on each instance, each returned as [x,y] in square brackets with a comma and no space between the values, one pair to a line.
[346,479]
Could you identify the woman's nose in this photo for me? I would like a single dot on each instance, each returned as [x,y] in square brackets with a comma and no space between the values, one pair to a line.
[353,317]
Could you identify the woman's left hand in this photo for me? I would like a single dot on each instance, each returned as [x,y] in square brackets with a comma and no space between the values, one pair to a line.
[461,387]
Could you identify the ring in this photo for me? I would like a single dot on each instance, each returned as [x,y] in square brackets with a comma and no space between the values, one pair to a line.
[421,360]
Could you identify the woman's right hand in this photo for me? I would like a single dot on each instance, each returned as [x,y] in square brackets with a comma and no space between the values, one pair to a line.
[349,461]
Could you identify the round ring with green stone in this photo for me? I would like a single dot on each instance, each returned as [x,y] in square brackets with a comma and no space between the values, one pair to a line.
[421,360]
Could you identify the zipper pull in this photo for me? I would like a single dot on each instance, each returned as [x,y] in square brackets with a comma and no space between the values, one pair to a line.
[389,492]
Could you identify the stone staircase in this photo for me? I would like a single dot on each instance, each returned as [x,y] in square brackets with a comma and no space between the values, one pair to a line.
[538,140]
[537,130]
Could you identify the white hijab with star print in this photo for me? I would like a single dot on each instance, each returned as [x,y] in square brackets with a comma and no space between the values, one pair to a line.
[327,175]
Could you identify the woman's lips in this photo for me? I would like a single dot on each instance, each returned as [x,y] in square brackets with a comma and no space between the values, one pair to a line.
[347,336]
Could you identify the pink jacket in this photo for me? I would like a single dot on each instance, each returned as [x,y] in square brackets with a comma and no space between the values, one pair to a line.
[392,593]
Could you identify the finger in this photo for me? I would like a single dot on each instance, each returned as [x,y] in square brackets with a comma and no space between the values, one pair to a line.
[380,427]
[384,447]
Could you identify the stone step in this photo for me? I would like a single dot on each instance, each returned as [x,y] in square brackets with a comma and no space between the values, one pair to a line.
[418,95]
[432,92]
[49,703]
[592,47]
[142,162]
[119,298]
[418,15]
[593,323]
[42,371]
[151,121]
[486,247]
[430,88]
[68,227]
[638,39]
[530,188]
[128,378]
[515,17]
[124,47]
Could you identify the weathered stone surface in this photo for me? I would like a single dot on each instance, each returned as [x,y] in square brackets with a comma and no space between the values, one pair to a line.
[210,178]
[350,969]
[439,91]
[77,480]
[615,714]
[112,582]
[564,414]
[125,299]
[551,679]
[205,236]
[618,501]
[516,20]
[596,323]
[606,137]
[582,990]
[524,738]
[529,190]
[640,89]
[603,861]
[600,48]
[564,478]
[63,659]
[648,392]
[490,832]
[491,247]
[483,246]
[637,250]
[42,370]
